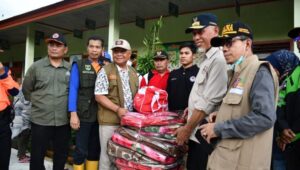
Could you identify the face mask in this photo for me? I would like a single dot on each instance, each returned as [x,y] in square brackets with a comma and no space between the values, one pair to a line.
[239,61]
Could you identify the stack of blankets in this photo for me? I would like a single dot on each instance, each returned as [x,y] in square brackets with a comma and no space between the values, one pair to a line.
[147,142]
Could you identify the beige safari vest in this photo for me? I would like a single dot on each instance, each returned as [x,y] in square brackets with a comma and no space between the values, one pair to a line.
[115,94]
[242,154]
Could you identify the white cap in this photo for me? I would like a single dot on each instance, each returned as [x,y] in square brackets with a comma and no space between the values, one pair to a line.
[121,43]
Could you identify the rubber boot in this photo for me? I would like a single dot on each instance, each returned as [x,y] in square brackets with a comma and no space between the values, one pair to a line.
[91,165]
[78,167]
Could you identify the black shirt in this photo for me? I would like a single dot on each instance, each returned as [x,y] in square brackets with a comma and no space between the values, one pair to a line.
[180,84]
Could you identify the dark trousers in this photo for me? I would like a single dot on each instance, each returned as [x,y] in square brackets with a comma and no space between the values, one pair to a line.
[22,141]
[292,156]
[41,136]
[197,157]
[87,143]
[5,140]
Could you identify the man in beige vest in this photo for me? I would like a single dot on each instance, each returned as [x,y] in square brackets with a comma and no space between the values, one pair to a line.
[244,123]
[115,87]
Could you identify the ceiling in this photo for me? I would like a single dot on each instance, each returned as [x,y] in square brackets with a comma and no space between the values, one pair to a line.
[129,9]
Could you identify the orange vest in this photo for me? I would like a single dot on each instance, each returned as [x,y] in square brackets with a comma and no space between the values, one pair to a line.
[5,85]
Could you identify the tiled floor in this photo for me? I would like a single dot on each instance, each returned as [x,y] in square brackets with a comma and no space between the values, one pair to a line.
[15,165]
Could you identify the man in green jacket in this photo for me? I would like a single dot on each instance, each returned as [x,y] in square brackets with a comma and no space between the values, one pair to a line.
[46,86]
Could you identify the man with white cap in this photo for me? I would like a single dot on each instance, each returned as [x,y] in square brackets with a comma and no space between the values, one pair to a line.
[115,87]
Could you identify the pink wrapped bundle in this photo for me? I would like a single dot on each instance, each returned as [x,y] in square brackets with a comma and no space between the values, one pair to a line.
[169,129]
[152,134]
[129,165]
[158,145]
[118,151]
[157,119]
[142,149]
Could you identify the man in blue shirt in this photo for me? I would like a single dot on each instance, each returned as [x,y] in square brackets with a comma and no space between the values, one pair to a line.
[83,107]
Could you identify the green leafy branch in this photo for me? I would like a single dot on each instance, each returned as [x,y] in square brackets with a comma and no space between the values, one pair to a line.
[151,42]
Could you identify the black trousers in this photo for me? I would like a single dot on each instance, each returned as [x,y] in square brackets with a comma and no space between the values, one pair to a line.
[87,143]
[41,137]
[197,157]
[5,140]
[292,156]
[23,141]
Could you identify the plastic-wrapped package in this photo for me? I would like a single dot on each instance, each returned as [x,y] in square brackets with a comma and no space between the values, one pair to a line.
[169,129]
[156,119]
[118,151]
[143,149]
[150,99]
[163,147]
[129,165]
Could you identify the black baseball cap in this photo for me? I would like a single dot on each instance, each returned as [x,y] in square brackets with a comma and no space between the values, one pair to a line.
[57,37]
[202,21]
[230,31]
[161,54]
[295,34]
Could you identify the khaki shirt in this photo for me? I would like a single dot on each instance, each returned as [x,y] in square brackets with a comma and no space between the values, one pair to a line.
[210,85]
[47,88]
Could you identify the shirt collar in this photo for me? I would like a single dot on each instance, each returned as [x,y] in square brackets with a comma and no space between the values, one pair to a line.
[211,52]
[187,69]
[62,64]
[155,72]
[121,69]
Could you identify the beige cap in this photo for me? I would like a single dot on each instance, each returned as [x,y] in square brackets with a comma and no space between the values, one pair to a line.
[121,43]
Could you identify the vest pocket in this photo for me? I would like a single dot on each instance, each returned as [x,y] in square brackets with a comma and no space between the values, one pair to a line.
[227,153]
[113,88]
[232,99]
[83,107]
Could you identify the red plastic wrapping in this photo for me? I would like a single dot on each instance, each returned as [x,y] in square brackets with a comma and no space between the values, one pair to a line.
[156,119]
[129,165]
[151,99]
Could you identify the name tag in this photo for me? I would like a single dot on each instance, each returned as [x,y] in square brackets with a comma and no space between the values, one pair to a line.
[236,91]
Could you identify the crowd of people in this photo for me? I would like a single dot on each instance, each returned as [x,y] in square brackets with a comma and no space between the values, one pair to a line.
[242,113]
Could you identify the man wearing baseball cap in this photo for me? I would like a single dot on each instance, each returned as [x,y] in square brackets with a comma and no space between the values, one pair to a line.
[158,77]
[46,85]
[245,120]
[295,35]
[116,85]
[208,90]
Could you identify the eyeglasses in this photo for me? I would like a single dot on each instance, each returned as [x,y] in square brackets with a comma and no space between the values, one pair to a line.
[228,43]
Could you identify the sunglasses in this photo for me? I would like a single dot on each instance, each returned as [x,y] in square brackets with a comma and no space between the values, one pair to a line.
[228,42]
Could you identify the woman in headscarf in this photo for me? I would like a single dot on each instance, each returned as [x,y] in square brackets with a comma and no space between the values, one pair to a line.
[286,64]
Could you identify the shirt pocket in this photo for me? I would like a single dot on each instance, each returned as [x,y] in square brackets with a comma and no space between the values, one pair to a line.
[200,82]
[42,82]
[63,77]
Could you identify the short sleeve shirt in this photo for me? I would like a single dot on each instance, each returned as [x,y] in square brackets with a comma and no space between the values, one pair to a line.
[102,84]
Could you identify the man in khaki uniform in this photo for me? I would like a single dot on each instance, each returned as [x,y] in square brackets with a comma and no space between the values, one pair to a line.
[208,90]
[244,123]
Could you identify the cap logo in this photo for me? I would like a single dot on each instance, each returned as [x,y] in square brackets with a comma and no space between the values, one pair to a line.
[228,29]
[55,35]
[244,30]
[119,42]
[158,53]
[195,22]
